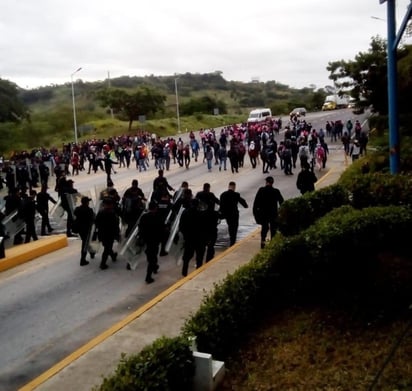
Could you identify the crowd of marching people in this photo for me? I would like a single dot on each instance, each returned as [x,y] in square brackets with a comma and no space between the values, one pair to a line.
[299,146]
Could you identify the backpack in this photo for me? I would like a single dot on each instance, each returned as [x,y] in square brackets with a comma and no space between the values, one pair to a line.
[286,153]
[320,152]
[303,152]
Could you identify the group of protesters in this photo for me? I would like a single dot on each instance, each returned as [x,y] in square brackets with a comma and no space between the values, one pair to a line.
[231,144]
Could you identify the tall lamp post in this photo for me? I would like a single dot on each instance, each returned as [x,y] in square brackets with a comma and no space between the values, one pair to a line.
[177,106]
[74,106]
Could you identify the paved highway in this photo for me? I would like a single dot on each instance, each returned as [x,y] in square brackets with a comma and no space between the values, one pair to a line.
[51,306]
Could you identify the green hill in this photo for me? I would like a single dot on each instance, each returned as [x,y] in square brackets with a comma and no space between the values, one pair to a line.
[50,108]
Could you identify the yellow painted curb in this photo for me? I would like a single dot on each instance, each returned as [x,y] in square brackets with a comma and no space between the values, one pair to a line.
[324,177]
[124,322]
[22,253]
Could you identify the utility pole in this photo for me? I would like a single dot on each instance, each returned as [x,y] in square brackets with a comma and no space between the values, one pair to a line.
[177,106]
[108,80]
[393,40]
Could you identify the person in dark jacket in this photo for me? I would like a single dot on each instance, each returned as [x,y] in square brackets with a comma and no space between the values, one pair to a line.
[265,209]
[209,217]
[160,185]
[133,204]
[43,198]
[306,179]
[13,202]
[67,192]
[84,218]
[3,236]
[29,213]
[193,227]
[151,225]
[229,201]
[207,198]
[108,230]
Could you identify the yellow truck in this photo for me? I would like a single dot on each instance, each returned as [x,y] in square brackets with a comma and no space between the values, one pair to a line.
[333,102]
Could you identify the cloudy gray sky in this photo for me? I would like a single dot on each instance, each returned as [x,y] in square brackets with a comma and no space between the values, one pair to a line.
[43,42]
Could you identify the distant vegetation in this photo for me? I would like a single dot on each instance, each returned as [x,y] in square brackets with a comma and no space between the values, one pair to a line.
[44,116]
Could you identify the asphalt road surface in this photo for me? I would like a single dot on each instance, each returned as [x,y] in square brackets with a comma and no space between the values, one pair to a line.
[51,306]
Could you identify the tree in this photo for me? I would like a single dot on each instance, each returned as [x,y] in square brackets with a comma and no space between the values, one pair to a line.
[405,80]
[366,76]
[11,107]
[145,101]
[204,104]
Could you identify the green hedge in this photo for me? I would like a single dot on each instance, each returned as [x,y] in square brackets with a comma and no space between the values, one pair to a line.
[355,189]
[380,189]
[166,365]
[337,249]
[297,214]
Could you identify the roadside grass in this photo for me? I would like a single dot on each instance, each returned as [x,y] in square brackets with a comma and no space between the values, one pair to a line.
[324,345]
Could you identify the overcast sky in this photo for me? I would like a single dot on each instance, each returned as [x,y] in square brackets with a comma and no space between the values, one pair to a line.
[44,42]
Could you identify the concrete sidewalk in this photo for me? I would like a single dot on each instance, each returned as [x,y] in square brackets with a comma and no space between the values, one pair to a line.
[162,316]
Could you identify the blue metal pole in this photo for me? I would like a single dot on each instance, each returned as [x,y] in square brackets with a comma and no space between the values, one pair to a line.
[394,143]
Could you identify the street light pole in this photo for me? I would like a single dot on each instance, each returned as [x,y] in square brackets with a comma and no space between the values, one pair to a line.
[74,106]
[177,106]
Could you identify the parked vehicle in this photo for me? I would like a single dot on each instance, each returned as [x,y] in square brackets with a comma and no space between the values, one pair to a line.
[260,115]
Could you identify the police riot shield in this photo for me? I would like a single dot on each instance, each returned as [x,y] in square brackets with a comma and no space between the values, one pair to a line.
[13,223]
[92,242]
[132,247]
[57,211]
[49,165]
[14,170]
[174,230]
[28,166]
[73,200]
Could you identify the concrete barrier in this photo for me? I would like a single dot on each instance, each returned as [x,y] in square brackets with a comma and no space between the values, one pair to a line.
[209,373]
[26,252]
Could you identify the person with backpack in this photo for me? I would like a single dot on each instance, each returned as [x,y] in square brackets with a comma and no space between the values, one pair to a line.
[287,157]
[306,179]
[319,156]
[304,154]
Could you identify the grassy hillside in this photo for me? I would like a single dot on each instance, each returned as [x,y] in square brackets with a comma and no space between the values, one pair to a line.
[51,110]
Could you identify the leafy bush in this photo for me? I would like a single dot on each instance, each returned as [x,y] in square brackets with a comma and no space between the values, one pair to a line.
[166,365]
[380,189]
[299,213]
[356,189]
[337,254]
[230,310]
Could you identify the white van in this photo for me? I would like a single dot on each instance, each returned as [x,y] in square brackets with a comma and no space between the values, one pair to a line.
[259,115]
